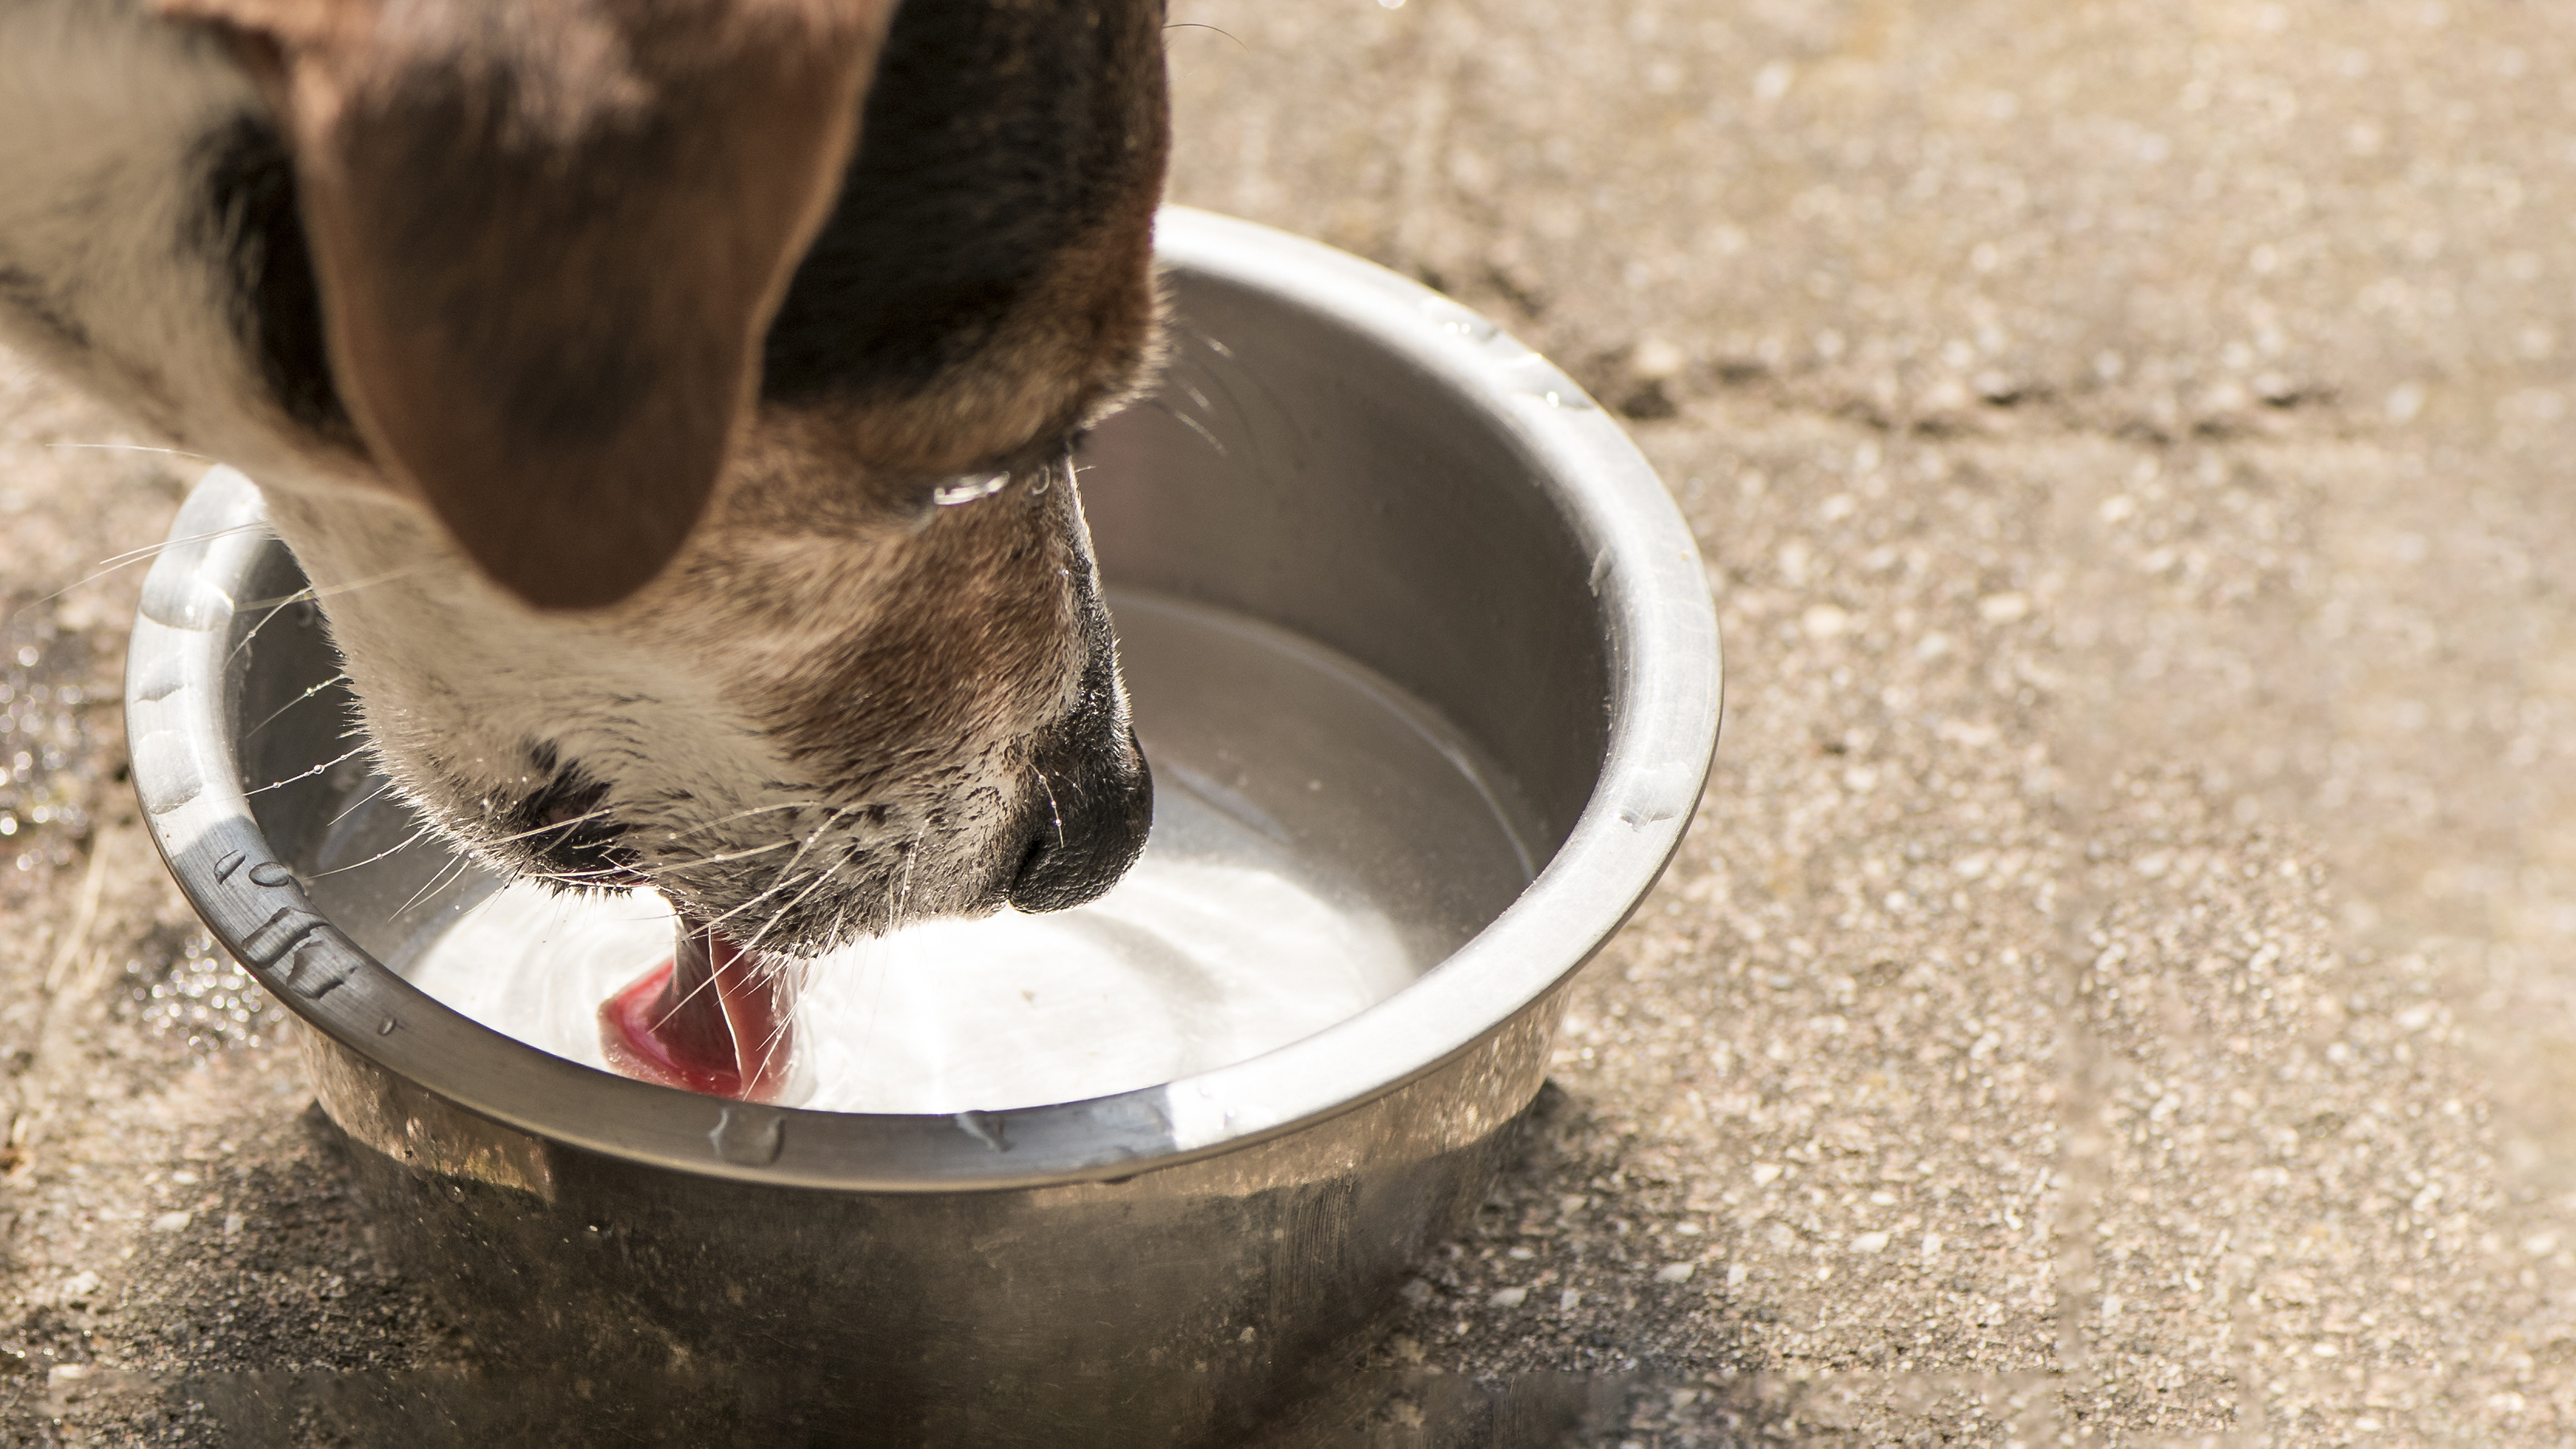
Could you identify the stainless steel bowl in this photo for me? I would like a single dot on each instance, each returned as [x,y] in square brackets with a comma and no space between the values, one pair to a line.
[1338,452]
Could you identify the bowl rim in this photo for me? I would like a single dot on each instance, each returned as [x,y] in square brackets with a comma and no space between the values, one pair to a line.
[1665,695]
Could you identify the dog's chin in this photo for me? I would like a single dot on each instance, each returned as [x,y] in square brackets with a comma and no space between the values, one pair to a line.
[792,873]
[863,890]
[732,837]
[799,876]
[817,878]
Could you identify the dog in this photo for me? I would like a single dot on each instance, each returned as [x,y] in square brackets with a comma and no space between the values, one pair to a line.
[671,402]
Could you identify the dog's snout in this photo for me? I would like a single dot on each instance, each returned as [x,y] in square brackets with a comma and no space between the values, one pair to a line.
[1087,818]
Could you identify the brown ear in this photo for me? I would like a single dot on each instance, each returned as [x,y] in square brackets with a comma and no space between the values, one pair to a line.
[549,238]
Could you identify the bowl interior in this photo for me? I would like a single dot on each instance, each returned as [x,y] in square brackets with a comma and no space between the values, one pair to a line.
[1328,568]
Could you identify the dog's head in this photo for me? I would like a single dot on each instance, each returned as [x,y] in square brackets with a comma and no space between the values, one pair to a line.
[672,400]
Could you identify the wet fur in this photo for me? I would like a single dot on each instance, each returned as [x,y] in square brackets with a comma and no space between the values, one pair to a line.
[843,702]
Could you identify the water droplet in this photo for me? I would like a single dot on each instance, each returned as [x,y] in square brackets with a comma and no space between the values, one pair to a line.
[1534,376]
[1458,321]
[270,873]
[984,1127]
[748,1136]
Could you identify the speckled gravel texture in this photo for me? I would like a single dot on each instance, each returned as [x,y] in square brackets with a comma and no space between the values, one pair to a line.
[2121,987]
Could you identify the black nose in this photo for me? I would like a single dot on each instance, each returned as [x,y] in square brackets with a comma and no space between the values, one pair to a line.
[1086,821]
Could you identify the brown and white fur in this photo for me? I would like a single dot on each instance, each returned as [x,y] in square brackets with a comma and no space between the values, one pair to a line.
[669,399]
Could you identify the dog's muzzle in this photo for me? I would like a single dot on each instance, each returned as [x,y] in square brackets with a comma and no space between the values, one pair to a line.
[1085,824]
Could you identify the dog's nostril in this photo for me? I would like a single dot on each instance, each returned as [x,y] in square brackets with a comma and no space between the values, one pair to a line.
[1086,824]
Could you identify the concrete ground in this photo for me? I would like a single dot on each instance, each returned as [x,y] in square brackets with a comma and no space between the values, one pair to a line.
[2122,984]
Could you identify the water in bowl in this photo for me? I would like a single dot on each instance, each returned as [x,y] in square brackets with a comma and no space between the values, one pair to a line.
[1320,838]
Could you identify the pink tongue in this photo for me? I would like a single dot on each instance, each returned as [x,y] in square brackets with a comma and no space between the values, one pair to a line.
[710,1019]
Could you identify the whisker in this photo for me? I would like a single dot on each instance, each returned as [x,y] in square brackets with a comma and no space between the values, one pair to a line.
[444,877]
[785,879]
[784,1021]
[827,873]
[692,995]
[408,841]
[787,873]
[484,904]
[136,555]
[1191,423]
[351,586]
[292,703]
[883,960]
[895,900]
[362,801]
[125,448]
[678,1006]
[274,607]
[307,774]
[567,823]
[901,895]
[1055,812]
[582,879]
[821,877]
[114,562]
[747,814]
[740,854]
[467,858]
[1203,25]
